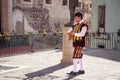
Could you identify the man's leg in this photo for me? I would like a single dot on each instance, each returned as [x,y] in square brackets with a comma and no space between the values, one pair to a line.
[81,64]
[75,62]
[81,71]
[74,71]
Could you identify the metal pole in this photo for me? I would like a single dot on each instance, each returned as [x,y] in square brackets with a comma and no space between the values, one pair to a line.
[23,24]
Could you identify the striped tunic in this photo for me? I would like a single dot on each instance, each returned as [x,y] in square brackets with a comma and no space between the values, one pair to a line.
[77,29]
[78,42]
[77,52]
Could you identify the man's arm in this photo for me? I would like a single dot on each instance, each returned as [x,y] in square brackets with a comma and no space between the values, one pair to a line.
[70,33]
[82,33]
[69,30]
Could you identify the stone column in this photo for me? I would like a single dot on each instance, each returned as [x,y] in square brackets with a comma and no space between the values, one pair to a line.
[6,15]
[0,17]
[10,10]
[67,47]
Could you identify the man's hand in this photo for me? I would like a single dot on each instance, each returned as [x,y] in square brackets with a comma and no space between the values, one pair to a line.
[70,34]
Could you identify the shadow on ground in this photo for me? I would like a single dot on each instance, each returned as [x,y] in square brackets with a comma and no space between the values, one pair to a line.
[46,71]
[71,77]
[113,55]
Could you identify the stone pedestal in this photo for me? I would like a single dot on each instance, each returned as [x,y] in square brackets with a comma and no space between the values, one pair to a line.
[67,47]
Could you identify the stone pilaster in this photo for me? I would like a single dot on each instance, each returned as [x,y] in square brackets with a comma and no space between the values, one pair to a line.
[67,47]
[10,7]
[6,15]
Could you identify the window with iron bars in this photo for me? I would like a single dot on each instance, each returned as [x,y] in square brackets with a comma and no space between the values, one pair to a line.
[48,1]
[65,3]
[27,0]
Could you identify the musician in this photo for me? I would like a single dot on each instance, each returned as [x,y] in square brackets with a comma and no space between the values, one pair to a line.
[77,33]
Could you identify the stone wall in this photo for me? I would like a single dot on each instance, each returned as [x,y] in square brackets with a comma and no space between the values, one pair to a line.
[42,16]
[37,16]
[58,14]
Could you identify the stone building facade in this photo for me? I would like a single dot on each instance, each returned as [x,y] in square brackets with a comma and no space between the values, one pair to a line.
[58,13]
[18,16]
[33,15]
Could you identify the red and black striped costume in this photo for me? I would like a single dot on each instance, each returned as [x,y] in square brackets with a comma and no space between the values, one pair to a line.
[78,42]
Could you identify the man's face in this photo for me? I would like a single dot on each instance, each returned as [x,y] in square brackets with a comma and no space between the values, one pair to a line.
[77,19]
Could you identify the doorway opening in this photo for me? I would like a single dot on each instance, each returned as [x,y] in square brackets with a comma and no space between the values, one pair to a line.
[101,18]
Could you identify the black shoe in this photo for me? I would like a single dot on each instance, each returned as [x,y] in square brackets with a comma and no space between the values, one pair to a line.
[72,73]
[81,72]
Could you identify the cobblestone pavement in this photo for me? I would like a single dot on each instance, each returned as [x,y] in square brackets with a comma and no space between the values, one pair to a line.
[45,77]
[99,64]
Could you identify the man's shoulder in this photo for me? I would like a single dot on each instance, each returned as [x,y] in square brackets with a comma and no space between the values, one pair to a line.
[83,24]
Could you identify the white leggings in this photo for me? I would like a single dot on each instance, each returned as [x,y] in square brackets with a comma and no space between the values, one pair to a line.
[75,63]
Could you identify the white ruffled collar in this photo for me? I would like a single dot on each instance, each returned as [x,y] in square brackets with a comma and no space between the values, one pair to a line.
[77,22]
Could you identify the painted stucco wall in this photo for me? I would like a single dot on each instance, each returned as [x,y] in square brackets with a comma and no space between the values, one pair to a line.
[95,4]
[112,23]
[112,15]
[112,19]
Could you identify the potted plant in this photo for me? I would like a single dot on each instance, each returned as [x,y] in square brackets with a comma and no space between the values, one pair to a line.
[26,34]
[44,33]
[7,36]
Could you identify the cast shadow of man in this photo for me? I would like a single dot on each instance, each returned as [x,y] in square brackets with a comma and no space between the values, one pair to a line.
[46,71]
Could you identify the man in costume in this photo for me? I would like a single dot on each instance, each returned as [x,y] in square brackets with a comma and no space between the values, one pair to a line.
[77,33]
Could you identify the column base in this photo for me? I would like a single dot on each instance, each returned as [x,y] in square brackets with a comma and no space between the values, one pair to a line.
[67,60]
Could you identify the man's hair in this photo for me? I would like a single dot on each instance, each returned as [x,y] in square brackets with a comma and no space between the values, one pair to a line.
[79,15]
